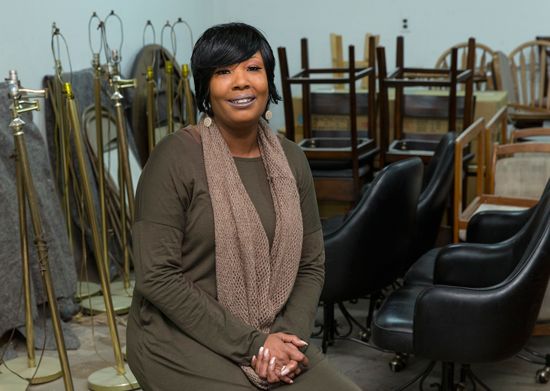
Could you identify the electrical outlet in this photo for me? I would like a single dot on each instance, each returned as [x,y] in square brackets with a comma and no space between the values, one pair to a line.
[405,25]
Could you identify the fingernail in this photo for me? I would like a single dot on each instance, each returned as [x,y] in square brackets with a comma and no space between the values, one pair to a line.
[284,371]
[266,352]
[253,358]
[261,350]
[283,368]
[304,342]
[272,361]
[292,381]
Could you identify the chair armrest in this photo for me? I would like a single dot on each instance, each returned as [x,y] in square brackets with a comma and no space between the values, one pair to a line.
[496,226]
[474,265]
[470,324]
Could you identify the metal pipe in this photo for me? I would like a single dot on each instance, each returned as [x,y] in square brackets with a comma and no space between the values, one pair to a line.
[25,261]
[63,144]
[169,95]
[42,252]
[190,107]
[151,108]
[118,84]
[126,276]
[100,165]
[43,258]
[92,222]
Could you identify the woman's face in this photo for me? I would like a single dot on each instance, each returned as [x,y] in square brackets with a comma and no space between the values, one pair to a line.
[239,92]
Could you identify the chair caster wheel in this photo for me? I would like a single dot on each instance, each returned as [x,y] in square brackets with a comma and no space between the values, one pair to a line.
[460,386]
[399,362]
[364,336]
[543,375]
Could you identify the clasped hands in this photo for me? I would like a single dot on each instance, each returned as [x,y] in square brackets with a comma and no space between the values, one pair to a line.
[278,359]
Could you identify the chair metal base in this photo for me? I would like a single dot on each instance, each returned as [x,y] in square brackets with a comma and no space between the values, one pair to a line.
[447,378]
[542,375]
[330,333]
[330,325]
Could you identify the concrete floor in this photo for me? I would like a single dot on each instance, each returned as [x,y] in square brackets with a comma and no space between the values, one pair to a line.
[367,367]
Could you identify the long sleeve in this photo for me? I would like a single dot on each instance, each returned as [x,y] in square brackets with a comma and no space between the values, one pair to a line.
[159,279]
[165,193]
[298,315]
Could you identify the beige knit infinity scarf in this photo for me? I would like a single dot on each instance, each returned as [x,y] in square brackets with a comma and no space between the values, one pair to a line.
[253,283]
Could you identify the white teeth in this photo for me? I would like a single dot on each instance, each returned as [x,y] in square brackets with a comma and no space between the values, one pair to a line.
[242,100]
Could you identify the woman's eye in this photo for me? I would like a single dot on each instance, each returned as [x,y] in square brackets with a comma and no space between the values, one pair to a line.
[254,68]
[222,72]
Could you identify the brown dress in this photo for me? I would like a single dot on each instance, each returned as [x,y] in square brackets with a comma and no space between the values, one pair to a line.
[179,337]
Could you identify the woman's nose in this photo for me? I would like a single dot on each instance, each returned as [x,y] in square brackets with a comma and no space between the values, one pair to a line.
[240,80]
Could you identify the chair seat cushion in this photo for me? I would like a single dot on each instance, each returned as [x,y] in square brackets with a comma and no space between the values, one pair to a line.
[422,272]
[392,327]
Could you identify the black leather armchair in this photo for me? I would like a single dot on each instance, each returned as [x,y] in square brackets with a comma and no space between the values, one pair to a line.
[471,320]
[366,249]
[500,232]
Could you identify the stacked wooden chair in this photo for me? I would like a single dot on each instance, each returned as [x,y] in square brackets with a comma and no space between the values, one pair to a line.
[429,106]
[340,165]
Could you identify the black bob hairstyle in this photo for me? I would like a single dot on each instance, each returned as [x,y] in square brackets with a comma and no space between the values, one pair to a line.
[227,44]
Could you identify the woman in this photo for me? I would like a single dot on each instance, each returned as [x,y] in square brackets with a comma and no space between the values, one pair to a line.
[228,245]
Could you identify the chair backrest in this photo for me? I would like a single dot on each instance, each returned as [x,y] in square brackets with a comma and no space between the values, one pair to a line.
[529,66]
[436,187]
[480,226]
[521,240]
[502,73]
[367,252]
[517,134]
[483,57]
[520,176]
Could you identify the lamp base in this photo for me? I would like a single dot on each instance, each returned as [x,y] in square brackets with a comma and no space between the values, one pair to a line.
[84,290]
[108,379]
[96,305]
[117,289]
[10,382]
[49,369]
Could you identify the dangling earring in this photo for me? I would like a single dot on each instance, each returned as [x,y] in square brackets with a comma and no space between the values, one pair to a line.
[207,121]
[268,115]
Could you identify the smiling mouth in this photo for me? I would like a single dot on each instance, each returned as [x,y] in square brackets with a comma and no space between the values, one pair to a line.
[242,102]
